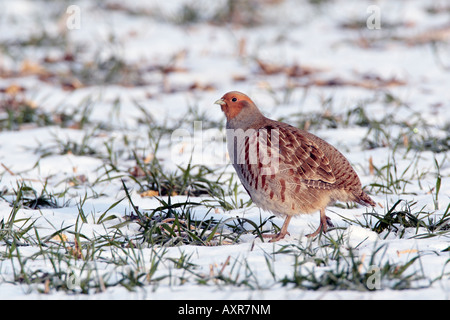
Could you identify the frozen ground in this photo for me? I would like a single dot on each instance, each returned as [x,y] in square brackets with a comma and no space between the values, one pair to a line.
[105,105]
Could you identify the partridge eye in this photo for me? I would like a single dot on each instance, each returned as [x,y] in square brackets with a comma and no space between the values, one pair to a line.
[234,99]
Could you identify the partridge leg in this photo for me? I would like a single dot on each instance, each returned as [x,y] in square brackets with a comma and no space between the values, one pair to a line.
[325,222]
[283,232]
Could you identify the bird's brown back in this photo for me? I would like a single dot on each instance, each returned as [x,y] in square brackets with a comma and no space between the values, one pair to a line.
[316,163]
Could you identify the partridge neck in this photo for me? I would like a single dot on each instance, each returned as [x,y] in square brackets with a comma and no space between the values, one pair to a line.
[246,119]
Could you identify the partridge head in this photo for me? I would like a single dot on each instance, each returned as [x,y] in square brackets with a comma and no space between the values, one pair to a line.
[240,111]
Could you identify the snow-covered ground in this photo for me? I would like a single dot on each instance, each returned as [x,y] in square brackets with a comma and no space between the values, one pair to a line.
[113,82]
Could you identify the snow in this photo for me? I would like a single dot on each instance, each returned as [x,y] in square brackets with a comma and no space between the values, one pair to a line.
[211,56]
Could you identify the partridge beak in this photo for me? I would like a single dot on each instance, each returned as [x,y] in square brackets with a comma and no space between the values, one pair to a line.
[221,102]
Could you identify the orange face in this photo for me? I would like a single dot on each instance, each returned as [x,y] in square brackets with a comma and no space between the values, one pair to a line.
[232,103]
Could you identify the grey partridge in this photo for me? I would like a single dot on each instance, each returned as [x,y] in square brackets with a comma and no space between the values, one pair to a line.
[286,170]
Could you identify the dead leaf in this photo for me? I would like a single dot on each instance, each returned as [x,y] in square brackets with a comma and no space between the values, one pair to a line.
[13,89]
[399,253]
[137,172]
[47,286]
[440,34]
[202,87]
[269,68]
[294,71]
[405,141]
[76,250]
[149,194]
[227,262]
[71,85]
[60,237]
[371,167]
[366,82]
[149,158]
[300,71]
[239,77]
[242,47]
[30,67]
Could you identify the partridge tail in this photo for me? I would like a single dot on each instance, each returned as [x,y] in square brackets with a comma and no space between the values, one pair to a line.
[363,199]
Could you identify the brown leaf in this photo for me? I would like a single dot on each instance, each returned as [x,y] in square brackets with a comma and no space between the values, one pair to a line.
[59,238]
[30,67]
[268,68]
[239,77]
[202,87]
[76,250]
[71,85]
[13,89]
[371,167]
[137,172]
[300,71]
[242,47]
[149,194]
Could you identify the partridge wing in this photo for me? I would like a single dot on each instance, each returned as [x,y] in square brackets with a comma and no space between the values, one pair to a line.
[305,158]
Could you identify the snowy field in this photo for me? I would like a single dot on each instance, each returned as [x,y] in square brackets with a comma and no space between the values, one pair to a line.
[115,181]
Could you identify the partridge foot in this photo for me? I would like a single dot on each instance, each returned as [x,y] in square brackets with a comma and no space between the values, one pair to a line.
[276,237]
[283,232]
[325,222]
